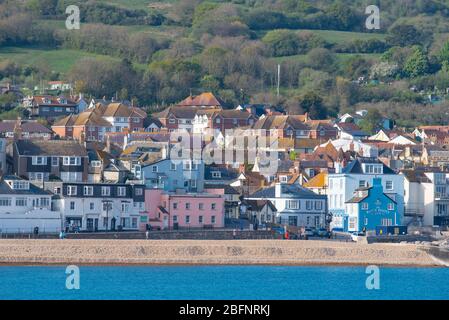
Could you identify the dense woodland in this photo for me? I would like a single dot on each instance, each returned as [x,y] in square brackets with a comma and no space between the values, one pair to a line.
[233,48]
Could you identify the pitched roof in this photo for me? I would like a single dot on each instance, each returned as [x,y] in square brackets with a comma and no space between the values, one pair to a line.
[288,191]
[25,126]
[50,148]
[121,110]
[279,122]
[52,101]
[355,166]
[6,189]
[178,112]
[318,181]
[257,205]
[206,99]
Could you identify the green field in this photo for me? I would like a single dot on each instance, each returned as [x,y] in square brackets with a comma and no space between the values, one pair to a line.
[342,57]
[58,60]
[338,37]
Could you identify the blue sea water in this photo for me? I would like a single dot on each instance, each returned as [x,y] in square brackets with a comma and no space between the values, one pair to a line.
[222,282]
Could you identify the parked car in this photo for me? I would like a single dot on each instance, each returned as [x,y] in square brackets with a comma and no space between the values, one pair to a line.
[355,236]
[308,232]
[323,233]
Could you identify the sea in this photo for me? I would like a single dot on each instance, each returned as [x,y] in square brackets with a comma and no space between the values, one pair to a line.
[222,282]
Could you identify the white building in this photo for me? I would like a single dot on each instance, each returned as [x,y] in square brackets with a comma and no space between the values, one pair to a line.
[426,197]
[99,207]
[24,206]
[357,174]
[295,205]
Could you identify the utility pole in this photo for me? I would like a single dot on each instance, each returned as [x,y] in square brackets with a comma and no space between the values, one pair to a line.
[279,79]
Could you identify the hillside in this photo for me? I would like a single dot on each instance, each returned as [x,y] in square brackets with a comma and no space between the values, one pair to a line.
[159,52]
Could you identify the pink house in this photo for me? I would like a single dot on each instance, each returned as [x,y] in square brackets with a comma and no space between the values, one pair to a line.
[184,210]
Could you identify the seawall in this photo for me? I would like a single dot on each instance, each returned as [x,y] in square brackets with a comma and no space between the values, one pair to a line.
[178,252]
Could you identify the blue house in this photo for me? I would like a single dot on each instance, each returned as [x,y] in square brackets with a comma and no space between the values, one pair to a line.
[371,207]
[174,175]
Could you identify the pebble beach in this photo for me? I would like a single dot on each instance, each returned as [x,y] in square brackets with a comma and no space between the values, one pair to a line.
[209,252]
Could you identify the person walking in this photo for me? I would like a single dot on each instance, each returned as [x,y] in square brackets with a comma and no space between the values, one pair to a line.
[147,234]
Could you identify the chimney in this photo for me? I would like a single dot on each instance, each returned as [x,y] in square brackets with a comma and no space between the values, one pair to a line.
[18,129]
[83,138]
[337,167]
[164,152]
[377,184]
[108,144]
[277,190]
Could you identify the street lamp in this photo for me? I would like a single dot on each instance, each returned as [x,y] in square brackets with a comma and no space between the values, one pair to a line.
[108,203]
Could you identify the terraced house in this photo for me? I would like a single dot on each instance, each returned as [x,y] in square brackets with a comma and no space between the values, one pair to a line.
[41,161]
[95,122]
[49,107]
[101,206]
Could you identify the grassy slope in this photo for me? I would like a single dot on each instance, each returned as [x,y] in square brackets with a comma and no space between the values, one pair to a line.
[58,60]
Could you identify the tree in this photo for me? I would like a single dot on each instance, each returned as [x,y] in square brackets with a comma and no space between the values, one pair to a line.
[371,121]
[416,64]
[404,35]
[312,103]
[282,42]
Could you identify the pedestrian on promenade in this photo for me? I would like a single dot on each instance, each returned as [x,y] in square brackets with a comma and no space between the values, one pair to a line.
[234,234]
[147,234]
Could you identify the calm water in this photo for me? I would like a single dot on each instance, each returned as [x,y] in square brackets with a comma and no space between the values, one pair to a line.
[223,282]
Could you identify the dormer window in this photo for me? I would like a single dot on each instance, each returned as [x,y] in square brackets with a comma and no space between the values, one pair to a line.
[373,168]
[19,185]
[216,174]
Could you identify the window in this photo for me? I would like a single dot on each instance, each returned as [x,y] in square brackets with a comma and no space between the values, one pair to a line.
[71,161]
[216,174]
[200,219]
[193,183]
[45,202]
[72,205]
[134,223]
[20,185]
[390,206]
[139,191]
[136,120]
[364,206]
[95,164]
[373,168]
[318,205]
[187,206]
[105,191]
[187,219]
[213,206]
[5,202]
[293,204]
[91,206]
[362,184]
[172,121]
[389,185]
[54,161]
[125,207]
[39,161]
[21,202]
[71,190]
[173,166]
[201,206]
[175,205]
[154,168]
[175,219]
[309,205]
[212,219]
[121,191]
[88,190]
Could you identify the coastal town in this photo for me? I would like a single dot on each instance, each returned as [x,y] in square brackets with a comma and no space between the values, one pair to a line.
[97,166]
